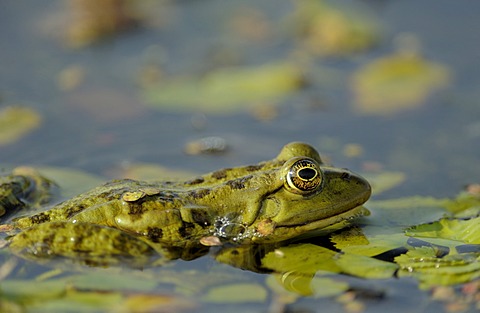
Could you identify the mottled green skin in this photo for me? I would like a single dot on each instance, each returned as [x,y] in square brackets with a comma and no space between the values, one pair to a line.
[244,204]
[24,188]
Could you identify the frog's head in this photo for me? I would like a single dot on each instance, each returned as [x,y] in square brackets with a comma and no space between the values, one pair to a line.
[312,195]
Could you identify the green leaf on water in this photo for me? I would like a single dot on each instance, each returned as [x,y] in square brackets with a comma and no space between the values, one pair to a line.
[466,230]
[71,181]
[21,290]
[149,172]
[301,258]
[379,240]
[109,282]
[311,285]
[17,122]
[395,83]
[298,265]
[227,90]
[405,211]
[384,181]
[330,28]
[423,264]
[465,204]
[366,267]
[77,301]
[327,287]
[237,293]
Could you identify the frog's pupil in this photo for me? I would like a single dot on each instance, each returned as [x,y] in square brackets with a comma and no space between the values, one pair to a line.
[307,173]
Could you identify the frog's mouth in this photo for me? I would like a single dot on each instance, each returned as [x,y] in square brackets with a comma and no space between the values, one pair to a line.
[342,218]
[326,225]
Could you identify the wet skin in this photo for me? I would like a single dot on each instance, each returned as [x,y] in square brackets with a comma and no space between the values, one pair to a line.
[271,201]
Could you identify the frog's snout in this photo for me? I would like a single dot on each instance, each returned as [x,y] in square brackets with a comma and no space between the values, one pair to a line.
[362,190]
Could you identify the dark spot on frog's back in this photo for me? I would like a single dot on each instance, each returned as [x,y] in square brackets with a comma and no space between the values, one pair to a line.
[345,176]
[186,229]
[195,181]
[110,195]
[220,174]
[73,211]
[155,234]
[200,216]
[253,168]
[239,183]
[135,208]
[167,196]
[199,193]
[119,182]
[40,218]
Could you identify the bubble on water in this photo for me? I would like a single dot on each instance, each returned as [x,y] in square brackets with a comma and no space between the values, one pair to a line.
[224,227]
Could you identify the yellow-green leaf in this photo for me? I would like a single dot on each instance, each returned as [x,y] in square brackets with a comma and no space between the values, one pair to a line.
[406,211]
[23,290]
[329,28]
[464,205]
[366,267]
[466,230]
[302,258]
[370,245]
[385,181]
[423,264]
[16,122]
[227,90]
[237,293]
[395,83]
[71,181]
[327,287]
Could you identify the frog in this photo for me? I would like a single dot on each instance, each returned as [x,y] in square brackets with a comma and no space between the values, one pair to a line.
[272,201]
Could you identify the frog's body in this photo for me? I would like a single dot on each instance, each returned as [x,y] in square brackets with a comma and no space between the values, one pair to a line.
[269,202]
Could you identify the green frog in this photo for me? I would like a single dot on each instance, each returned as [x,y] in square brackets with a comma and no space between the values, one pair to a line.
[272,201]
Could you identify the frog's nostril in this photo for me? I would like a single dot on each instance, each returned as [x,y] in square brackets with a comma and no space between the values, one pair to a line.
[346,176]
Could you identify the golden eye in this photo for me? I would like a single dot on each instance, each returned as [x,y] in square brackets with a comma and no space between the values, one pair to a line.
[303,176]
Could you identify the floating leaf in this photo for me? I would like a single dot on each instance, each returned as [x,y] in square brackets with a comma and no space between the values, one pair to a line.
[146,303]
[82,301]
[92,21]
[302,258]
[16,122]
[107,281]
[384,181]
[280,295]
[464,205]
[149,172]
[327,287]
[21,290]
[10,306]
[423,264]
[227,89]
[362,266]
[237,293]
[196,282]
[296,282]
[328,28]
[317,286]
[406,211]
[396,83]
[71,181]
[466,230]
[350,237]
[206,145]
[375,243]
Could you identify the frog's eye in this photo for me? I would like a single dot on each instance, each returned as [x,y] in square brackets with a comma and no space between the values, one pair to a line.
[303,176]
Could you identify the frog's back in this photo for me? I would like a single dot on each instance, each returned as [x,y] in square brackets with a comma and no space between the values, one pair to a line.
[108,194]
